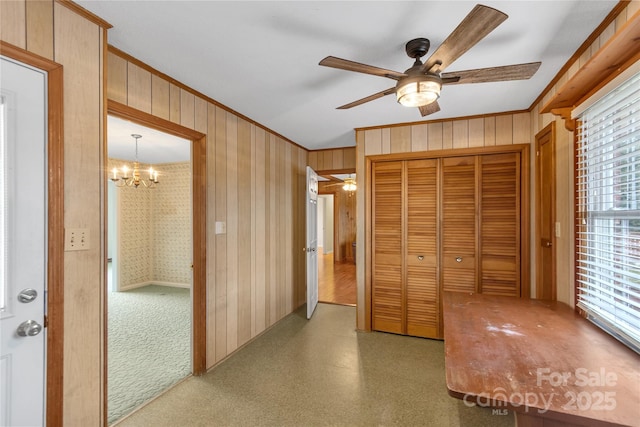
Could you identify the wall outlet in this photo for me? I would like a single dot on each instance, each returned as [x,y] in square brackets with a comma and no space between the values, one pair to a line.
[76,239]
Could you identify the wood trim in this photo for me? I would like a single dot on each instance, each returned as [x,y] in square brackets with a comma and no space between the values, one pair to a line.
[368,220]
[583,47]
[550,130]
[321,150]
[55,226]
[184,87]
[69,4]
[199,190]
[105,238]
[451,152]
[619,53]
[447,120]
[336,171]
[525,222]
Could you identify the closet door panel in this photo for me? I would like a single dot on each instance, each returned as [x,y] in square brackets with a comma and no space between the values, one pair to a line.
[422,248]
[500,224]
[459,224]
[387,276]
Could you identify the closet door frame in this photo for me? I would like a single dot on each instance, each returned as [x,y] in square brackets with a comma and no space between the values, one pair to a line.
[525,206]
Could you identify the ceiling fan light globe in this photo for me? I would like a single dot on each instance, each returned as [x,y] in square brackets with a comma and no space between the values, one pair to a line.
[418,92]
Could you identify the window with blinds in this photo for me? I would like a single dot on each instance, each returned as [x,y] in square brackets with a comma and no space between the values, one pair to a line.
[608,212]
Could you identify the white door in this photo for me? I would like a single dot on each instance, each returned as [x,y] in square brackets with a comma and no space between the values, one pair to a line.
[312,241]
[23,130]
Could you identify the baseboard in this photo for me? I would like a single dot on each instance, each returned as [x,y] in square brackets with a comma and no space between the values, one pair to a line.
[143,284]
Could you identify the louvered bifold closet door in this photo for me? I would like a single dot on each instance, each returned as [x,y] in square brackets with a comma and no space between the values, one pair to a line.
[388,297]
[459,224]
[422,248]
[500,224]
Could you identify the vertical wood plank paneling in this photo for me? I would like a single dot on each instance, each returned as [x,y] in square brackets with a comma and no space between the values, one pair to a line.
[79,50]
[211,235]
[372,142]
[39,16]
[232,232]
[338,159]
[254,214]
[401,139]
[386,141]
[138,88]
[200,115]
[117,78]
[476,132]
[261,219]
[504,129]
[521,128]
[461,134]
[288,231]
[160,97]
[419,137]
[280,226]
[187,109]
[435,136]
[349,158]
[447,135]
[13,23]
[273,232]
[174,103]
[489,131]
[313,160]
[243,259]
[221,239]
[327,159]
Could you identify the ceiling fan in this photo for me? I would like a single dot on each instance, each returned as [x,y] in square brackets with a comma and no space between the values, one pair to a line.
[420,85]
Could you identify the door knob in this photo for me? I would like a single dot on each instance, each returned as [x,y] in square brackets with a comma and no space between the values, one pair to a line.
[420,257]
[27,295]
[546,243]
[459,259]
[29,328]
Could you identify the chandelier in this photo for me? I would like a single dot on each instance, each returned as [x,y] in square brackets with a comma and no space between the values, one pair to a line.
[132,178]
[349,184]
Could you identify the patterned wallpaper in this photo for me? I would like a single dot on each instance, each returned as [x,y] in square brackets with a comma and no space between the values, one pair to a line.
[155,228]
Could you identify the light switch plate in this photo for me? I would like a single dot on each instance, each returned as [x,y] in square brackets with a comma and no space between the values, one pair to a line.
[221,227]
[557,229]
[76,239]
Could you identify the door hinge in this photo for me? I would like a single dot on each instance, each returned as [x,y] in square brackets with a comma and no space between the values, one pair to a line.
[46,321]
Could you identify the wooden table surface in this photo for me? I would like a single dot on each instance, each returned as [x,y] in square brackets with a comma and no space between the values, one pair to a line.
[540,359]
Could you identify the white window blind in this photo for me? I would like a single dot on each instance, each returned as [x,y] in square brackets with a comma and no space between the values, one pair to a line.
[608,212]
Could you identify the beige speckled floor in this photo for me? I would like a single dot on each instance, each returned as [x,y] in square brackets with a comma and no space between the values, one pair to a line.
[316,373]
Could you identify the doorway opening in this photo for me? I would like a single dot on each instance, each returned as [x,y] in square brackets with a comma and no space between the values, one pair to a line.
[149,258]
[336,237]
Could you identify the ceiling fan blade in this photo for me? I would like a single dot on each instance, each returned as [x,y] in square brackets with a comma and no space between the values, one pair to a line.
[492,74]
[429,108]
[345,64]
[473,28]
[368,98]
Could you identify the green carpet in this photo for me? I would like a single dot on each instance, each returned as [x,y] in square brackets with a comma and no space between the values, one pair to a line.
[149,345]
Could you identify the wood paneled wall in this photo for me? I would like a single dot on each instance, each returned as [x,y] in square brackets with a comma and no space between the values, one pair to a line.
[565,250]
[256,182]
[345,220]
[334,159]
[56,31]
[491,130]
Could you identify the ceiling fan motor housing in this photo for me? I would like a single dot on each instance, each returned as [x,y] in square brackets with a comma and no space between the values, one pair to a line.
[417,48]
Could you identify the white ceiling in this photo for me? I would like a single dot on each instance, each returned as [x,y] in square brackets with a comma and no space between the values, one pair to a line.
[154,146]
[261,58]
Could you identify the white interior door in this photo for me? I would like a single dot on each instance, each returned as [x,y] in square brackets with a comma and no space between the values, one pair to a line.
[312,241]
[23,217]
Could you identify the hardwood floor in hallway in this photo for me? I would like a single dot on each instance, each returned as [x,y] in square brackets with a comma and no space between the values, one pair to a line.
[336,281]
